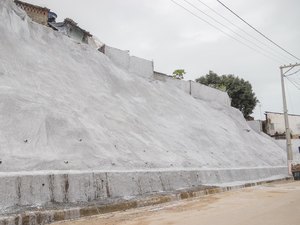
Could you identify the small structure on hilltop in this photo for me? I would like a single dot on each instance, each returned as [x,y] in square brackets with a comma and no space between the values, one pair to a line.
[68,27]
[71,29]
[38,14]
[275,126]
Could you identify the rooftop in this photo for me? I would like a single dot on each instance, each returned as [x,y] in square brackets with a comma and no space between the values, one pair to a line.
[268,112]
[31,5]
[73,23]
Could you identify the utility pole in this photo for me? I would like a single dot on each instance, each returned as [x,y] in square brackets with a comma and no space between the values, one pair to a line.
[286,119]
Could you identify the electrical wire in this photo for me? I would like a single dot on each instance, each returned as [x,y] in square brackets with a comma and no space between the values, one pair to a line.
[240,29]
[227,27]
[296,81]
[292,73]
[290,101]
[298,78]
[288,76]
[241,42]
[292,82]
[289,69]
[257,30]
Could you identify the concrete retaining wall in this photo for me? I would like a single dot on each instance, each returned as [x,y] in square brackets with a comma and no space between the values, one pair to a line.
[196,90]
[47,216]
[141,67]
[38,189]
[144,68]
[132,64]
[255,125]
[209,94]
[118,57]
[181,84]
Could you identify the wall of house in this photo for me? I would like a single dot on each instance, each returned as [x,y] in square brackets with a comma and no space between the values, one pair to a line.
[38,15]
[75,33]
[275,123]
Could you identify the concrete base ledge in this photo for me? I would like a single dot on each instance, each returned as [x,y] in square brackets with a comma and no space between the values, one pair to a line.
[44,189]
[46,216]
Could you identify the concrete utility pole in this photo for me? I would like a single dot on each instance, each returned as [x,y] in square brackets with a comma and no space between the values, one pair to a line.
[286,119]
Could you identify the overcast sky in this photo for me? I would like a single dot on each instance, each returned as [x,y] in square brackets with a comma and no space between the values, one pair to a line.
[161,31]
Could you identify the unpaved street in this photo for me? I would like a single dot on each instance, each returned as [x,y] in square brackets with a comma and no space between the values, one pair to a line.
[272,204]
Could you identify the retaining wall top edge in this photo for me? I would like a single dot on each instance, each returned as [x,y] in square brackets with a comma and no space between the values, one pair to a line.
[58,172]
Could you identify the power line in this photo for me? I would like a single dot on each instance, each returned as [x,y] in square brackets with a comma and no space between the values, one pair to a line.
[257,30]
[241,42]
[298,78]
[223,25]
[292,67]
[290,99]
[292,82]
[293,73]
[239,28]
[296,81]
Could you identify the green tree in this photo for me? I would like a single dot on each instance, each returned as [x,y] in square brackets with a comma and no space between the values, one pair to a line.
[239,90]
[178,74]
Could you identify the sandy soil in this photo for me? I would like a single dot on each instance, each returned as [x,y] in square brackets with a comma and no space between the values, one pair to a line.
[273,204]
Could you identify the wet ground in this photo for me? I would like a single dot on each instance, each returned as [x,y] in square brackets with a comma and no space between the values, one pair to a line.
[272,204]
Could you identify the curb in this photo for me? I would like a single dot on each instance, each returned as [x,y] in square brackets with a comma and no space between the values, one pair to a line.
[44,216]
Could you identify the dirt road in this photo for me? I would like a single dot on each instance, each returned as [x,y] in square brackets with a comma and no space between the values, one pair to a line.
[273,204]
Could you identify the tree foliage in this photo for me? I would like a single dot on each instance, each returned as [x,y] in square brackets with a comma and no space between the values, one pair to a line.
[178,74]
[239,90]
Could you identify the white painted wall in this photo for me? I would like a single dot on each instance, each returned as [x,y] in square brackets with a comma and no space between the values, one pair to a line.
[132,64]
[197,90]
[141,67]
[276,123]
[209,94]
[119,57]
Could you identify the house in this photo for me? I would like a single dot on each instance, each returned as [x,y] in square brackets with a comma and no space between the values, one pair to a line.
[38,14]
[71,29]
[68,27]
[275,125]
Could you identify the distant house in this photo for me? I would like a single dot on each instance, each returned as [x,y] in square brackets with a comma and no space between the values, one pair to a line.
[71,29]
[38,14]
[68,27]
[275,125]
